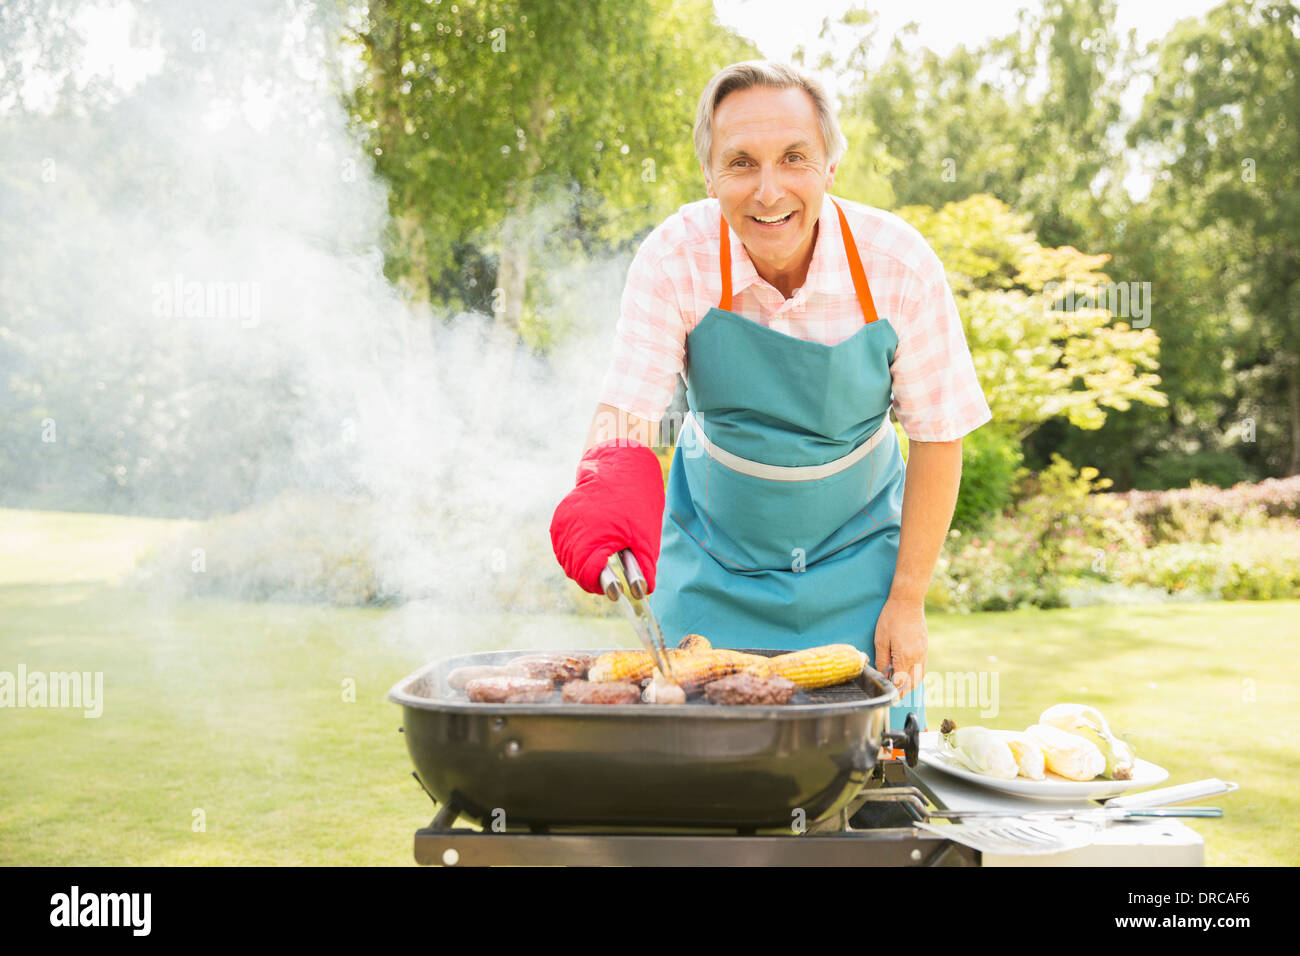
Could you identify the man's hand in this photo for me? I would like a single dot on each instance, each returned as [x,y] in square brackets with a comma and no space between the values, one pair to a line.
[902,641]
[617,503]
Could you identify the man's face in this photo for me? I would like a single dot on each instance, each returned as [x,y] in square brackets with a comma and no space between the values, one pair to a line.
[767,161]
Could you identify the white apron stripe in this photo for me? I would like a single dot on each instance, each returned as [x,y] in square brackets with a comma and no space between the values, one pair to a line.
[757,469]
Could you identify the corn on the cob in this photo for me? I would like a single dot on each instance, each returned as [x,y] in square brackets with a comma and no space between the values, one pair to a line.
[638,665]
[1088,722]
[742,659]
[695,642]
[1068,755]
[622,665]
[978,749]
[691,671]
[1029,756]
[814,667]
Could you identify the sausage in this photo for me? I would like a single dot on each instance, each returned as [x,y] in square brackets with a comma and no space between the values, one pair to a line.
[600,692]
[555,667]
[509,690]
[458,678]
[748,689]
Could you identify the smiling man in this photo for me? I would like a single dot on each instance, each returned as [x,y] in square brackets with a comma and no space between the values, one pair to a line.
[797,321]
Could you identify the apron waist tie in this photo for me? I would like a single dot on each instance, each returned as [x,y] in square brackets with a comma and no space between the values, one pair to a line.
[758,469]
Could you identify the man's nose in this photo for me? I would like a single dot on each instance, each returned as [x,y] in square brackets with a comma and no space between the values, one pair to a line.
[769,186]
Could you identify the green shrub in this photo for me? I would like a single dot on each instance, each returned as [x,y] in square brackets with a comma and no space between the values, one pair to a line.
[1060,533]
[989,460]
[1182,470]
[1255,564]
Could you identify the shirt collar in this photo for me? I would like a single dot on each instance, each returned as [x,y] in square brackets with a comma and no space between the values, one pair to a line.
[827,250]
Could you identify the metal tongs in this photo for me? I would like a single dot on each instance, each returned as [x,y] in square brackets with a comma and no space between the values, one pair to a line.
[636,607]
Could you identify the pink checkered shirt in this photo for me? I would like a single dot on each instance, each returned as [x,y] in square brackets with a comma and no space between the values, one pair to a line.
[675,279]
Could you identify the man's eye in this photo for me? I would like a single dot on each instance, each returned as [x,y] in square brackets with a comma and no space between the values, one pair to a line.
[796,155]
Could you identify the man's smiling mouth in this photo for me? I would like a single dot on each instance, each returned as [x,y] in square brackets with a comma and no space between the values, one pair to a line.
[772,220]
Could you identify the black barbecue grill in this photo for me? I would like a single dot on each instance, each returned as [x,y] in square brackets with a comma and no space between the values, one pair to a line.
[646,783]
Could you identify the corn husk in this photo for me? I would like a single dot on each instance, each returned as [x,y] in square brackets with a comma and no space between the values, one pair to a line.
[979,750]
[1068,755]
[1029,756]
[1088,723]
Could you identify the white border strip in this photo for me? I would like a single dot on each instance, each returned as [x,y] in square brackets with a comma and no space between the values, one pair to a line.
[757,469]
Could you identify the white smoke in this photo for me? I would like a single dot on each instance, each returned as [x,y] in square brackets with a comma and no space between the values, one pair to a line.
[207,243]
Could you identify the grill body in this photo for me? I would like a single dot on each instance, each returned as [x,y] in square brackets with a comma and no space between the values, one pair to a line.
[692,765]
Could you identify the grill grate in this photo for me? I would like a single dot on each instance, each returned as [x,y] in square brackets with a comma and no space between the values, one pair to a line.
[431,686]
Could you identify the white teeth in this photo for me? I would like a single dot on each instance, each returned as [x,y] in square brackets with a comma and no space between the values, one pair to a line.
[776,219]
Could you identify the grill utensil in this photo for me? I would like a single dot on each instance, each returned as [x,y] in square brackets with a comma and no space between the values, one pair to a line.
[635,606]
[1038,832]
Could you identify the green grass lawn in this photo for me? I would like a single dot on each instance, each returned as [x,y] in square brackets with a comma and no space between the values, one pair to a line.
[238,710]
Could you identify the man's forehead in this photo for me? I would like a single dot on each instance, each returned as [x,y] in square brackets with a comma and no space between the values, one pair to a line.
[765,119]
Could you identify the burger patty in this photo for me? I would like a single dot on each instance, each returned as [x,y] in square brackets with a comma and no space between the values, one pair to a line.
[600,692]
[748,689]
[555,667]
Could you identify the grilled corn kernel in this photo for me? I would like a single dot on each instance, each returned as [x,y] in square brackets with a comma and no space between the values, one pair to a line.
[814,667]
[692,668]
[695,642]
[622,665]
[691,671]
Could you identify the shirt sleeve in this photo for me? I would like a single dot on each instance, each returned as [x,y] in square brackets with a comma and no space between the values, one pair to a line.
[650,343]
[937,395]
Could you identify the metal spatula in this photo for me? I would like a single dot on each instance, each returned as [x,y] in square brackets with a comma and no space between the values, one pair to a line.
[1044,831]
[1016,836]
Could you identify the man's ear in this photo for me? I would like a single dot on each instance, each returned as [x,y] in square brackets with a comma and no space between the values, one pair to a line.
[708,182]
[830,174]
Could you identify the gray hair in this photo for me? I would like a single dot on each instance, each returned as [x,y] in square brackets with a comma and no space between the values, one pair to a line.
[777,76]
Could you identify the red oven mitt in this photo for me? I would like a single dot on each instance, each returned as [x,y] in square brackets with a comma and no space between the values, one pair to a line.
[618,503]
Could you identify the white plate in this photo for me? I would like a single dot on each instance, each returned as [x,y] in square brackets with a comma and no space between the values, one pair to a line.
[1145,774]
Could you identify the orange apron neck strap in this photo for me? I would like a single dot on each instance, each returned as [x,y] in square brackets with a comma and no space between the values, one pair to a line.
[850,248]
[724,260]
[855,269]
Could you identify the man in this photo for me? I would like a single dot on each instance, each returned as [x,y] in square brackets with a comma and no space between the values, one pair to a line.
[797,320]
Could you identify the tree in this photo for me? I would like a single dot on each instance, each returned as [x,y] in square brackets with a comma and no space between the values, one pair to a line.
[1223,112]
[485,116]
[1026,117]
[1042,343]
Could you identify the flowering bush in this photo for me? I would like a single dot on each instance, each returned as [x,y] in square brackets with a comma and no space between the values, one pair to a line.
[1205,513]
[1259,564]
[1061,530]
[1069,542]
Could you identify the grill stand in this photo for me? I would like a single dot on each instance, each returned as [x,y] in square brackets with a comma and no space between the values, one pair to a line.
[830,843]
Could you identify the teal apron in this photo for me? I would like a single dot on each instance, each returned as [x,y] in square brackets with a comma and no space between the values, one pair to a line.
[783,509]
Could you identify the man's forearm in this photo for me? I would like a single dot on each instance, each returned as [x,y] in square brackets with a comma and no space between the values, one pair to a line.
[610,422]
[929,497]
